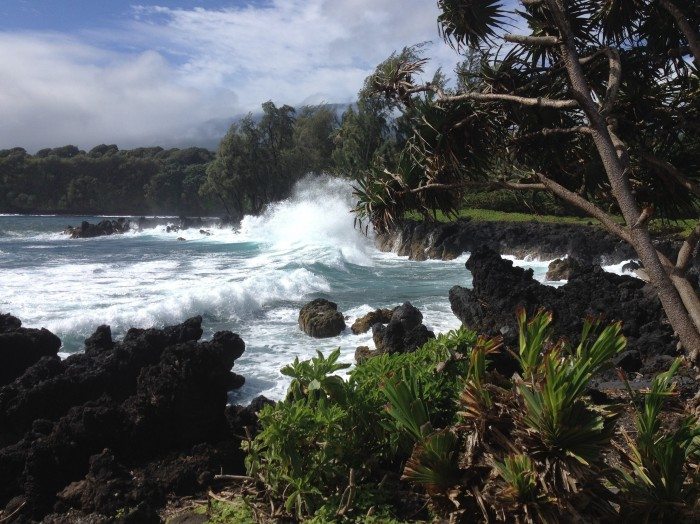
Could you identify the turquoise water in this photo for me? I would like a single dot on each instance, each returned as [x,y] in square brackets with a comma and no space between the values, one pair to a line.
[251,280]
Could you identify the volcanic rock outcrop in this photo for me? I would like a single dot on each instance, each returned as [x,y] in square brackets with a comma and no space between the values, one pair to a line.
[21,347]
[446,241]
[403,333]
[365,323]
[102,228]
[111,432]
[500,289]
[562,268]
[320,318]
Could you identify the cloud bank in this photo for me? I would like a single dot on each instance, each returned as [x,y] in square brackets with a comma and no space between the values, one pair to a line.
[164,72]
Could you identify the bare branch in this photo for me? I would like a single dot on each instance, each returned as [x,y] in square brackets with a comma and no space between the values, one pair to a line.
[577,200]
[531,40]
[524,101]
[690,35]
[685,254]
[497,184]
[619,145]
[614,80]
[675,173]
[549,131]
[442,97]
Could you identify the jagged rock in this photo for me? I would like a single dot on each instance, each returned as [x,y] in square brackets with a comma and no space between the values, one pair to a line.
[102,228]
[320,318]
[631,266]
[9,323]
[156,400]
[500,288]
[404,332]
[561,268]
[446,241]
[365,323]
[100,340]
[363,353]
[21,347]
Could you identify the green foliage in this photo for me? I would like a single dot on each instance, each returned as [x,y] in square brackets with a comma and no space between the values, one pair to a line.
[519,474]
[331,433]
[659,480]
[442,424]
[259,162]
[313,379]
[556,414]
[237,511]
[461,139]
[105,180]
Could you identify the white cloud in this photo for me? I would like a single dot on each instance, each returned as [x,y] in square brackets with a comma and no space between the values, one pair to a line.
[55,90]
[183,67]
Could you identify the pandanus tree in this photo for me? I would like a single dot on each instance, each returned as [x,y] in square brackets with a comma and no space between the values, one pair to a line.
[593,101]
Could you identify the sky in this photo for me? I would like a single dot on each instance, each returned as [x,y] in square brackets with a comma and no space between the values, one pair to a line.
[87,72]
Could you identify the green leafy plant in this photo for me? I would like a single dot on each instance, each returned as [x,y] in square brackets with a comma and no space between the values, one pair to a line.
[314,378]
[660,480]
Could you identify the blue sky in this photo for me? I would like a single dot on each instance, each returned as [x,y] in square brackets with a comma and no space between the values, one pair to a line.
[74,15]
[142,73]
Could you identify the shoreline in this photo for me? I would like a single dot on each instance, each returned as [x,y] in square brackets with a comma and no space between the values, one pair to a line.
[419,240]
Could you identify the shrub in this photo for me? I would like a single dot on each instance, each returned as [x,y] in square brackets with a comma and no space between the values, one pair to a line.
[331,433]
[441,425]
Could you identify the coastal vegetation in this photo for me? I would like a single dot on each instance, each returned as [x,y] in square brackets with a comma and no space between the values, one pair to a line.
[442,433]
[594,103]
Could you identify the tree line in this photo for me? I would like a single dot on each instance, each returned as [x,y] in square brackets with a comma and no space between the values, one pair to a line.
[258,161]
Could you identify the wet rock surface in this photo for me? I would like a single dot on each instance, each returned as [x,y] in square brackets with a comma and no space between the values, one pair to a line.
[113,431]
[102,228]
[320,318]
[365,323]
[446,241]
[500,289]
[562,269]
[403,333]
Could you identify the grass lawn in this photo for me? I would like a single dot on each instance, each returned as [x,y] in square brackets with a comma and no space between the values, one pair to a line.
[677,229]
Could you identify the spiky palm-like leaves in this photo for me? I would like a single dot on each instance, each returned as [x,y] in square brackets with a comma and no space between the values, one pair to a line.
[660,480]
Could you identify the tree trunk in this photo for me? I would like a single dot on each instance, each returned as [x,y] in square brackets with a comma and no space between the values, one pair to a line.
[669,296]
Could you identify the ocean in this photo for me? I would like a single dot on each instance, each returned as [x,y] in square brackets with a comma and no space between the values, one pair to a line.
[251,279]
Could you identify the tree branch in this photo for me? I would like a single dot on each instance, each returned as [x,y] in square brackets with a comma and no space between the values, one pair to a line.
[549,131]
[493,97]
[614,80]
[577,200]
[499,184]
[690,35]
[524,101]
[531,40]
[685,254]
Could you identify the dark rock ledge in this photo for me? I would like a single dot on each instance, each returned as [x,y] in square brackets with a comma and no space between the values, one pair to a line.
[499,289]
[113,431]
[544,241]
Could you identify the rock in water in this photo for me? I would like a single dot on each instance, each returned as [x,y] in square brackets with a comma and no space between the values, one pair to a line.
[631,266]
[561,268]
[102,228]
[404,332]
[365,323]
[320,318]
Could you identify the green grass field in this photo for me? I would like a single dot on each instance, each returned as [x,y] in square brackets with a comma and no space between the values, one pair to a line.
[675,229]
